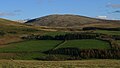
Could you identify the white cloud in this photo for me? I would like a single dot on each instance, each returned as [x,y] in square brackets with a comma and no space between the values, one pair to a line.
[114,5]
[102,17]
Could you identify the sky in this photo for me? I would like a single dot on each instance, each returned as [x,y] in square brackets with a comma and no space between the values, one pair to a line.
[29,9]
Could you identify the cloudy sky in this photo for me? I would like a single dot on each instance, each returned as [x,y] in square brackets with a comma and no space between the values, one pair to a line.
[27,9]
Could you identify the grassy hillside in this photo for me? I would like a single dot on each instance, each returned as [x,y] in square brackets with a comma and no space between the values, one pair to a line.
[11,31]
[7,22]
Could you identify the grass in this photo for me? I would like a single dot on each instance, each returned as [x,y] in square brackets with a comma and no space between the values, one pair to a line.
[86,44]
[108,32]
[27,50]
[23,56]
[29,56]
[29,46]
[60,64]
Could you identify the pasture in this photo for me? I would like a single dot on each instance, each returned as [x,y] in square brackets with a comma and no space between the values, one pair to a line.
[30,46]
[86,44]
[108,32]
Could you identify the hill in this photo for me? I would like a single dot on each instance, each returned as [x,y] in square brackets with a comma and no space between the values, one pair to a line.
[68,21]
[11,31]
[7,22]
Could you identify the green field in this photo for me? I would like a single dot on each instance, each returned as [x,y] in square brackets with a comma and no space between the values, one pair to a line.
[44,45]
[60,64]
[29,46]
[86,44]
[108,32]
[29,50]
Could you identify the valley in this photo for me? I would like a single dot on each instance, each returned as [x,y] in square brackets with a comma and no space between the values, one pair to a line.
[86,42]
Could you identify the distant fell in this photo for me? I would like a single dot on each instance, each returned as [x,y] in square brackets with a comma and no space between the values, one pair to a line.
[66,20]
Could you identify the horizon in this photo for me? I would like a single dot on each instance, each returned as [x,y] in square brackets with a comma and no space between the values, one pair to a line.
[29,9]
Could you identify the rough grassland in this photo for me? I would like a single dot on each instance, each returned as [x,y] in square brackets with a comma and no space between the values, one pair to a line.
[86,44]
[60,64]
[29,46]
[54,33]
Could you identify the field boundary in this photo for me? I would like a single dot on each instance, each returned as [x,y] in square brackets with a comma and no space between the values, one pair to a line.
[60,44]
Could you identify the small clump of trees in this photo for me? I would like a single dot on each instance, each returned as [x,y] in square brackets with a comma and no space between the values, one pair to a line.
[2,33]
[76,53]
[70,36]
[98,28]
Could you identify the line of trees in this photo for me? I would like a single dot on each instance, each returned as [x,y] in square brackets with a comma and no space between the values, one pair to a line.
[116,37]
[2,33]
[98,28]
[76,53]
[64,37]
[72,36]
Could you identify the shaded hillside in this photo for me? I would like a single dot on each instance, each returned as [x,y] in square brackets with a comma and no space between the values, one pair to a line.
[7,22]
[11,31]
[65,21]
[8,25]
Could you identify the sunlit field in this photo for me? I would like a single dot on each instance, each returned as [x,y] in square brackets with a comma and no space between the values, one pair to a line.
[60,64]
